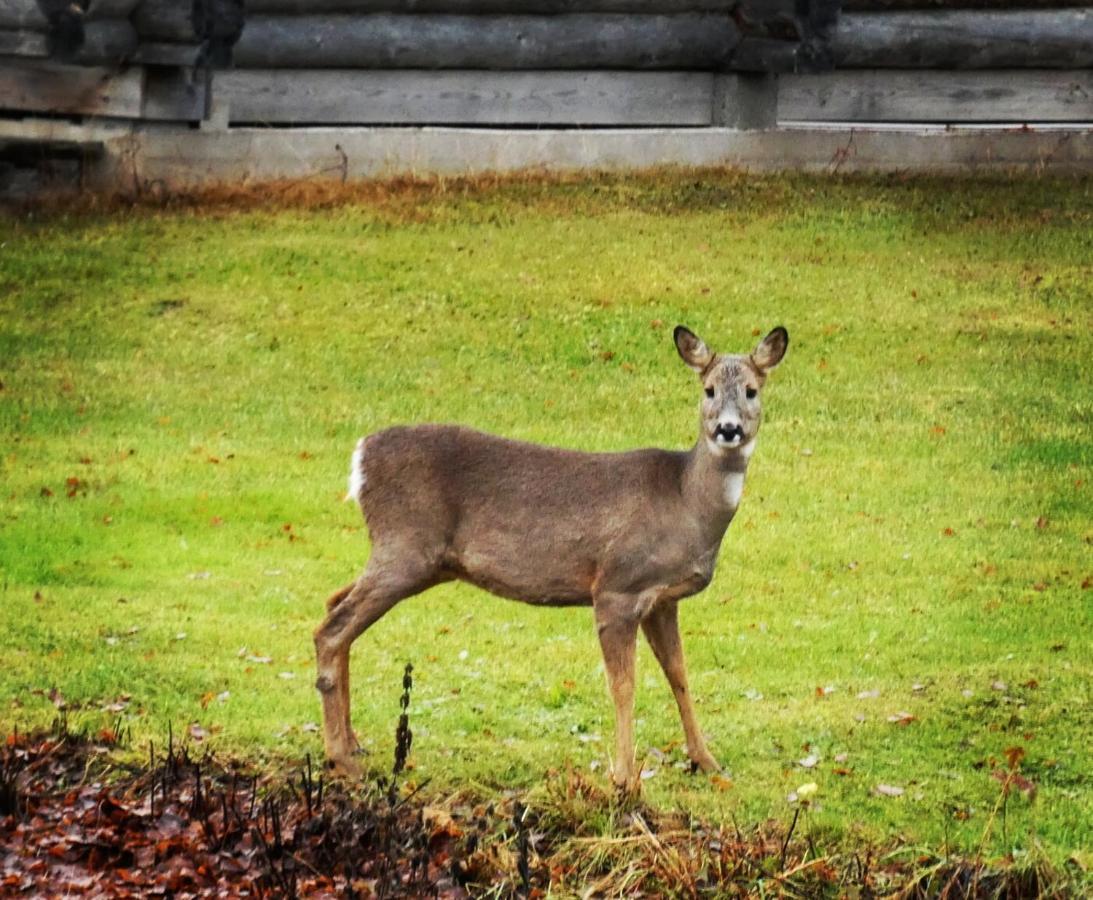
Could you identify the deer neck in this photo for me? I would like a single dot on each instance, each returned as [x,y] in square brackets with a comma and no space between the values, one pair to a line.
[713,483]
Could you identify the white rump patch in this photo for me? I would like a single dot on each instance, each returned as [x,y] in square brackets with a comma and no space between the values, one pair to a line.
[356,473]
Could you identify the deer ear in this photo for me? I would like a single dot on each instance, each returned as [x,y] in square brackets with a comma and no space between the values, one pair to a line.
[771,349]
[692,349]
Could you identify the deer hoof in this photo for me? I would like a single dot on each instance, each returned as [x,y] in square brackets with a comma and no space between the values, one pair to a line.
[345,767]
[705,763]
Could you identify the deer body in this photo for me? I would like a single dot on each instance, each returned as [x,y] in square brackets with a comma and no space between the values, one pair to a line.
[628,533]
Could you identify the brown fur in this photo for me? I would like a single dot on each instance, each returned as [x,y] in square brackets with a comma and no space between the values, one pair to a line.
[628,533]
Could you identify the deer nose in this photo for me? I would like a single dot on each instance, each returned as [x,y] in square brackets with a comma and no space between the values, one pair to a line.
[729,430]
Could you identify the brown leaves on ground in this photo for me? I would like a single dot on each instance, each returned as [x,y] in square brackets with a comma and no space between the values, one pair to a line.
[184,826]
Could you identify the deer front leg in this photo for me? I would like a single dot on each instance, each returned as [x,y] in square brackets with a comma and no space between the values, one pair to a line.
[661,628]
[617,625]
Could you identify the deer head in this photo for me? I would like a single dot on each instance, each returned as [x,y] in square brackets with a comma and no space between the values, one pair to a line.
[733,384]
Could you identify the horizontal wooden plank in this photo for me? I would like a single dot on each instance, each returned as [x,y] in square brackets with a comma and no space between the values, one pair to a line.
[888,95]
[966,39]
[455,97]
[18,14]
[159,53]
[23,43]
[46,87]
[876,5]
[15,14]
[592,41]
[473,7]
[107,42]
[169,19]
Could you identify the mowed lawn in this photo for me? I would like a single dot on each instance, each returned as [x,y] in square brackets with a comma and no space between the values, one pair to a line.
[902,600]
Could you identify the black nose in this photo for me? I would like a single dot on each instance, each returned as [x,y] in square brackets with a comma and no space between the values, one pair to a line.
[730,431]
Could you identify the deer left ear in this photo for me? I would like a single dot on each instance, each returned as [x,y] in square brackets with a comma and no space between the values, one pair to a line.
[771,349]
[692,349]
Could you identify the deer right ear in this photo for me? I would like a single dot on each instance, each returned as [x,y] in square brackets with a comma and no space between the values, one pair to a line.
[692,349]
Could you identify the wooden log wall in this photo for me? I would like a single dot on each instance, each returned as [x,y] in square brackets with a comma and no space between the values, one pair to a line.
[966,39]
[560,62]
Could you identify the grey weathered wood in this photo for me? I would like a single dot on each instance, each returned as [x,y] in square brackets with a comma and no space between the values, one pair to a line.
[382,41]
[756,8]
[23,43]
[107,41]
[164,20]
[47,87]
[886,95]
[966,39]
[459,97]
[172,94]
[166,54]
[765,55]
[115,9]
[15,14]
[19,14]
[744,100]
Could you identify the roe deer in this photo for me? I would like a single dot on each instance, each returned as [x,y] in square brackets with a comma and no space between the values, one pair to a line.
[628,533]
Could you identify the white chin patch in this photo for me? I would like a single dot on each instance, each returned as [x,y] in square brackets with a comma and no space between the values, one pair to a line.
[721,444]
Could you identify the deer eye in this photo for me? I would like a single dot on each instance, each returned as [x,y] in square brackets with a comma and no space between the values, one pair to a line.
[750,393]
[709,392]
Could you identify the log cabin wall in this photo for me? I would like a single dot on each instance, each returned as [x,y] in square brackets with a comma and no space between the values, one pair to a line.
[224,65]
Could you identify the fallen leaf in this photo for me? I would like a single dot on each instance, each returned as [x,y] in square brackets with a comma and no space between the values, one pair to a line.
[888,790]
[197,732]
[869,695]
[440,822]
[721,782]
[902,718]
[809,762]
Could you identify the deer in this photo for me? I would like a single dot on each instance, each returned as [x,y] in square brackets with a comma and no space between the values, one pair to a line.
[628,533]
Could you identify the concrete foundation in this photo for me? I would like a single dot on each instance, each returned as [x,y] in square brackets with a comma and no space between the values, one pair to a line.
[134,157]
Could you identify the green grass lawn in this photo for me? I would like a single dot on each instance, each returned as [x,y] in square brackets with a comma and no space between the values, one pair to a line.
[182,389]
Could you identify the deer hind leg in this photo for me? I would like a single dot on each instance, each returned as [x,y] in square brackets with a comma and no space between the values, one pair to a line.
[661,629]
[617,627]
[350,614]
